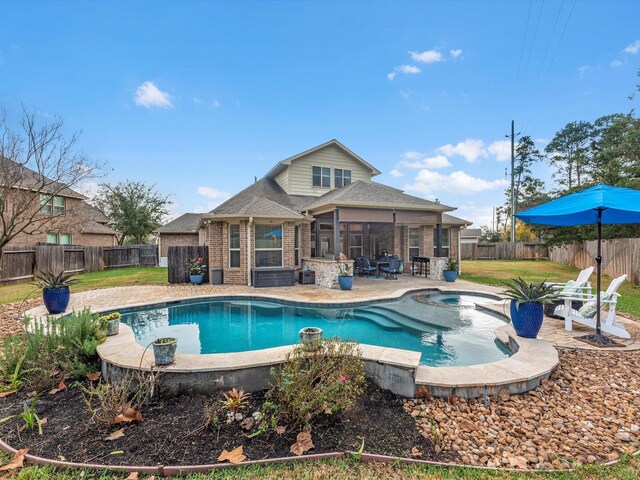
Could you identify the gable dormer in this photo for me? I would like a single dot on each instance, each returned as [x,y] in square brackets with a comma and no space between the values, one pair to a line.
[321,169]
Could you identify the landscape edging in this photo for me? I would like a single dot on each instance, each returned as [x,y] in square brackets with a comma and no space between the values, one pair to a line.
[165,471]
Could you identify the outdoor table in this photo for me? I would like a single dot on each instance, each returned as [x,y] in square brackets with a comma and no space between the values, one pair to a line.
[379,264]
[421,261]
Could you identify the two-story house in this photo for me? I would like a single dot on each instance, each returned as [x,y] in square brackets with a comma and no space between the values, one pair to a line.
[319,203]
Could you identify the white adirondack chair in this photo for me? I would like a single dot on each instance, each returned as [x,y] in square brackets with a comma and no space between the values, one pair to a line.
[608,300]
[581,286]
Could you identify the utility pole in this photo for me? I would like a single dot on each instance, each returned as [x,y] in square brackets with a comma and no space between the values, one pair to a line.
[513,177]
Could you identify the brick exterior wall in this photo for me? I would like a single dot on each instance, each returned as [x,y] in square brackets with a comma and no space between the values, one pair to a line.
[176,240]
[426,245]
[305,240]
[78,216]
[455,234]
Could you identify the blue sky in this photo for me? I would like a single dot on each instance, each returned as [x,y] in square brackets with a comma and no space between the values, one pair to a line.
[200,97]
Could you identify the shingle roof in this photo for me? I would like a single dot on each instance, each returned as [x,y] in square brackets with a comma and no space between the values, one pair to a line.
[95,227]
[374,194]
[470,232]
[264,198]
[451,220]
[28,179]
[186,223]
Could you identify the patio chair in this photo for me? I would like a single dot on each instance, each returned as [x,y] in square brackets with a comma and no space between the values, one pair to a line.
[581,287]
[393,269]
[586,315]
[365,267]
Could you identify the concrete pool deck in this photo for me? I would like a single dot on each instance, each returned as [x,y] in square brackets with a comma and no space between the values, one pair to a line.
[396,370]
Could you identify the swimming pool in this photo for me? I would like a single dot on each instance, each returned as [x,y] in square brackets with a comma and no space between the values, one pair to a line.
[446,329]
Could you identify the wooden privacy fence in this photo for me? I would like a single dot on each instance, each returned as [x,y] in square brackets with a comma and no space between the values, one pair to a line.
[180,257]
[504,251]
[619,256]
[19,264]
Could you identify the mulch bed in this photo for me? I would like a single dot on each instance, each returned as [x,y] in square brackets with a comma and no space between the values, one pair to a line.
[11,315]
[171,432]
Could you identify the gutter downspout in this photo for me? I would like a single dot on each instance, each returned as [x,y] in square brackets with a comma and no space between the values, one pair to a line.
[249,225]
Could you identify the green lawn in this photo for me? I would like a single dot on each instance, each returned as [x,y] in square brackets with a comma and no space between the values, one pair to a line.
[494,272]
[627,469]
[89,281]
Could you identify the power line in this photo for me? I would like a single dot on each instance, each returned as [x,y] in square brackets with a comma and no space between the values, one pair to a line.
[524,39]
[553,30]
[561,36]
[533,41]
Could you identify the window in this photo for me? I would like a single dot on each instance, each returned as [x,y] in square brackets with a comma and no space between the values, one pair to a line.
[296,245]
[46,204]
[234,246]
[268,245]
[321,177]
[342,177]
[59,238]
[446,242]
[52,205]
[414,242]
[59,205]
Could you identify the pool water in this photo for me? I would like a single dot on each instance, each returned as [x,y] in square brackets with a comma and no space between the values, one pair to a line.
[448,331]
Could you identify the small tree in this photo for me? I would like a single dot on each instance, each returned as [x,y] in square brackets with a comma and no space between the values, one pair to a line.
[134,209]
[37,163]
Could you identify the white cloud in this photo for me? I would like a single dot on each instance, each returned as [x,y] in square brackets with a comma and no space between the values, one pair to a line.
[428,56]
[471,149]
[428,182]
[455,53]
[175,211]
[616,63]
[412,155]
[480,215]
[633,48]
[501,149]
[213,193]
[408,69]
[439,161]
[216,103]
[89,189]
[149,96]
[396,173]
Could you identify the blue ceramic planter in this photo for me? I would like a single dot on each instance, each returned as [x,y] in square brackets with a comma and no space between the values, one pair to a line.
[450,275]
[345,282]
[527,318]
[196,279]
[56,299]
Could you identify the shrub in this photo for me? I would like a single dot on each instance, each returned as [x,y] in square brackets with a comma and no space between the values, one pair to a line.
[53,348]
[327,381]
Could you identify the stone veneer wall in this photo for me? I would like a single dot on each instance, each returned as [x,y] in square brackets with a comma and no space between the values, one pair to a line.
[436,267]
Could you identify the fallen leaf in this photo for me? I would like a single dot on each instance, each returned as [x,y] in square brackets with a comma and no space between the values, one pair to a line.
[44,421]
[415,452]
[16,461]
[132,476]
[248,423]
[6,394]
[234,456]
[128,415]
[116,452]
[61,387]
[303,443]
[115,435]
[93,376]
[281,429]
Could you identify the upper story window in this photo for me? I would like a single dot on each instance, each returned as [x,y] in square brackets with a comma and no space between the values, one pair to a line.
[321,177]
[342,177]
[59,238]
[52,205]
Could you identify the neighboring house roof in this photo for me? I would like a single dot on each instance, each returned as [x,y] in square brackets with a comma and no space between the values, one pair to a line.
[186,223]
[263,199]
[470,232]
[374,195]
[280,166]
[31,180]
[451,220]
[97,228]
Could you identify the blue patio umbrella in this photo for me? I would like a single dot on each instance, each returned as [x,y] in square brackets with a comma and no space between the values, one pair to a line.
[599,205]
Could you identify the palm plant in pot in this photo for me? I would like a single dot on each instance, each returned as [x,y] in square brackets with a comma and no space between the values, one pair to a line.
[345,272]
[55,290]
[450,271]
[527,305]
[196,270]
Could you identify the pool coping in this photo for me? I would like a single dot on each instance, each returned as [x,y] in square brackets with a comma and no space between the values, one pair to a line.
[395,369]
